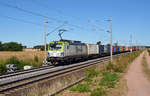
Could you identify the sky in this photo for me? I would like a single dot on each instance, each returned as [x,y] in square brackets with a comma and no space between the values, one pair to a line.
[23,21]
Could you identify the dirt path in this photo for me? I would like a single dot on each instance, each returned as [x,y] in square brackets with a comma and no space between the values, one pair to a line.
[137,83]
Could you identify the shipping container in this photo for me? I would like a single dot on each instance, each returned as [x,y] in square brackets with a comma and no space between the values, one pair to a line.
[112,49]
[115,49]
[93,49]
[108,49]
[121,48]
[125,48]
[118,48]
[130,48]
[105,48]
[101,49]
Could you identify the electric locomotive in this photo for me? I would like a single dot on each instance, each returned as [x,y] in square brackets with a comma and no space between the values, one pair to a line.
[66,51]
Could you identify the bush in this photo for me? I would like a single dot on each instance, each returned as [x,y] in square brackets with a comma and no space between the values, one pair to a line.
[34,64]
[14,60]
[81,88]
[2,67]
[36,59]
[98,92]
[22,64]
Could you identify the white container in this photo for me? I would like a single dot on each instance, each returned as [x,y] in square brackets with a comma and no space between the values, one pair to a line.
[93,49]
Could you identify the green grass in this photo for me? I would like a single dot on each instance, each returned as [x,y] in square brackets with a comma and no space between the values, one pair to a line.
[109,79]
[98,92]
[80,88]
[2,67]
[91,73]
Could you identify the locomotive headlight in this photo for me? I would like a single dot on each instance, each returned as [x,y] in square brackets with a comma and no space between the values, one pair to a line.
[62,54]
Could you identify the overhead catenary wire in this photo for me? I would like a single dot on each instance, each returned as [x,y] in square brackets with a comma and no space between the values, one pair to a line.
[27,11]
[20,20]
[56,28]
[56,10]
[97,26]
[38,14]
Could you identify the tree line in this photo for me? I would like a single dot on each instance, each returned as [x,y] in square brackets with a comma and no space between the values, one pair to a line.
[10,46]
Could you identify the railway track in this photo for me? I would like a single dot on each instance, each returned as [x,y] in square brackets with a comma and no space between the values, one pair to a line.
[25,71]
[19,79]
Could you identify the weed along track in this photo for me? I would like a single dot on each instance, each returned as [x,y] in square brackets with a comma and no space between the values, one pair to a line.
[26,81]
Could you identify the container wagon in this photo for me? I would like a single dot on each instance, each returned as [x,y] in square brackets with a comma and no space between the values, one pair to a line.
[93,50]
[101,50]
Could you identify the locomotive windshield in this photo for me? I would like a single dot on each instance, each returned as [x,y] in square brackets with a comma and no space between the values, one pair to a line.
[55,46]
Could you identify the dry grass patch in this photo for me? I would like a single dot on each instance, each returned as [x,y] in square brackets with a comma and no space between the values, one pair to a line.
[146,69]
[33,58]
[25,56]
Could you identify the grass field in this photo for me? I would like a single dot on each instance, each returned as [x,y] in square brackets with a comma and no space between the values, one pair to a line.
[27,58]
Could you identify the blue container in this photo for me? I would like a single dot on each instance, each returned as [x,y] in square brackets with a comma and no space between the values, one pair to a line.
[115,49]
[101,49]
[118,48]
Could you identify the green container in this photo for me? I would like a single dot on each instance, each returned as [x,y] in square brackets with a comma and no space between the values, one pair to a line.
[123,48]
[105,48]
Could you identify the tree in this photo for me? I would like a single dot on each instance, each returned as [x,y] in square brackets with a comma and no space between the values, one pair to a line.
[43,47]
[0,45]
[108,44]
[11,46]
[99,43]
[116,44]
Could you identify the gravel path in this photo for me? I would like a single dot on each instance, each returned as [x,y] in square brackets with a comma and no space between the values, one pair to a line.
[137,83]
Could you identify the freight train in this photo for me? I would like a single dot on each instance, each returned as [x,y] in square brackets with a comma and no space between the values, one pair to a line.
[68,51]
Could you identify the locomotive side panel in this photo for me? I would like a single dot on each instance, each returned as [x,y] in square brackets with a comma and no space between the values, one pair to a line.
[75,50]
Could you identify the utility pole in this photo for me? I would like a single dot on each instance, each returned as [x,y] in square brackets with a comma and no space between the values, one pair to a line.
[45,34]
[110,31]
[111,37]
[131,42]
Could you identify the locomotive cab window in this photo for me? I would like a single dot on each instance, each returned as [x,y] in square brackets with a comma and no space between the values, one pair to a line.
[55,46]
